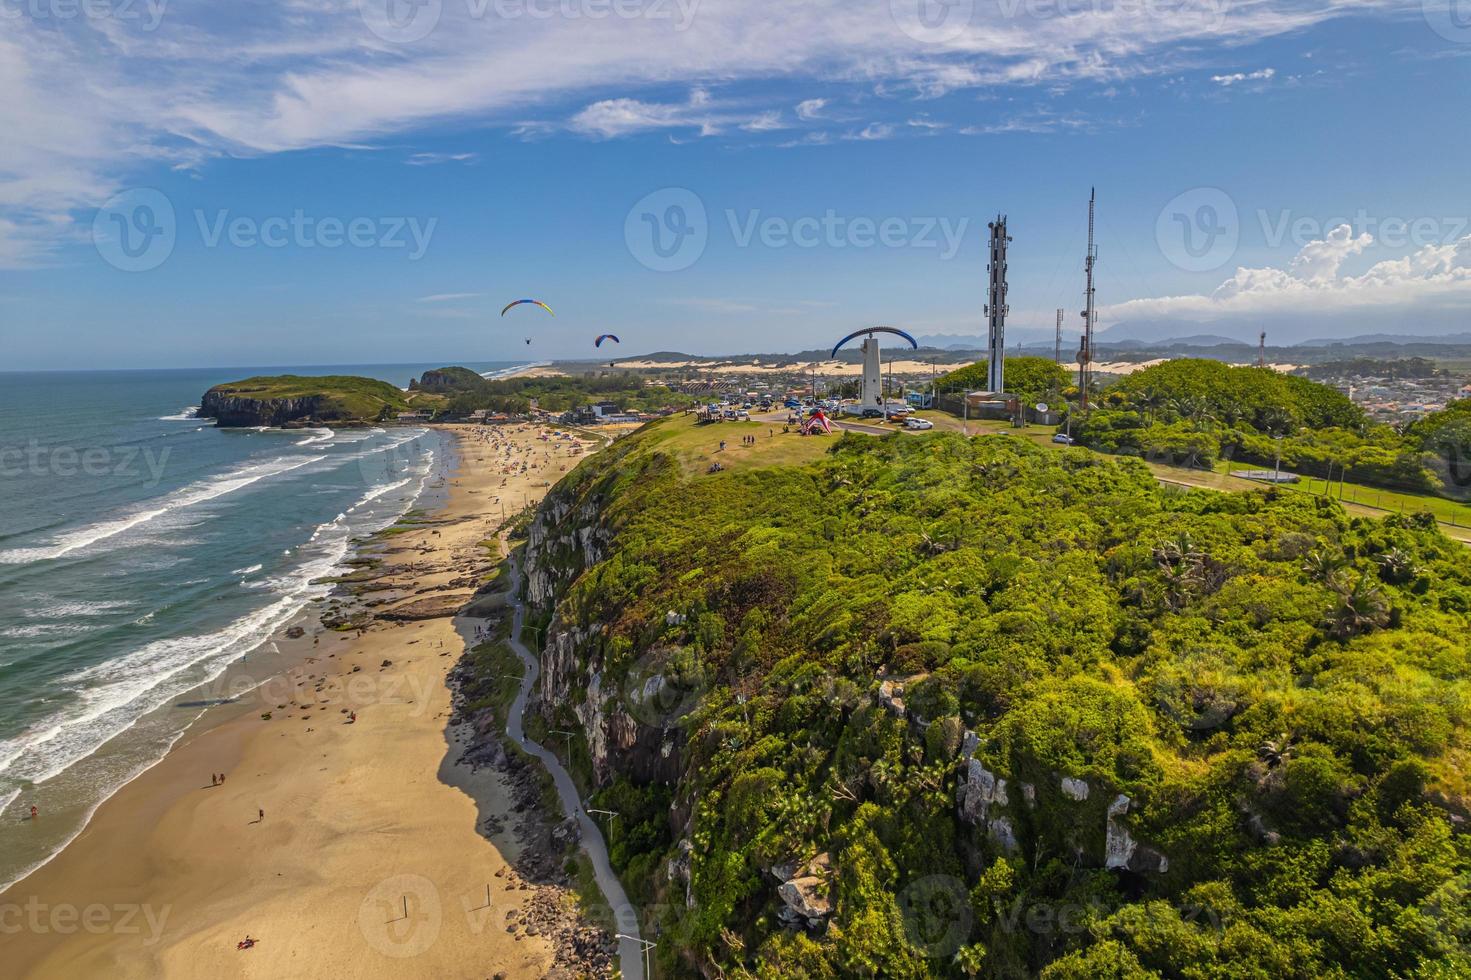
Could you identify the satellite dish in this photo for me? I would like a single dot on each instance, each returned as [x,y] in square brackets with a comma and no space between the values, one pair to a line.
[1042,407]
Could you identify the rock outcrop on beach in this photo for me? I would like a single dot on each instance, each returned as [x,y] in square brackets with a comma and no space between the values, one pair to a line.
[289,399]
[583,946]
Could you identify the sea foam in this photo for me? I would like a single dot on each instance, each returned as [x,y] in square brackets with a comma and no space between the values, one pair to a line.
[195,493]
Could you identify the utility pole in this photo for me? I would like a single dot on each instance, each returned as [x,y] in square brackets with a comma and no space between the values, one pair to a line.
[996,308]
[1057,343]
[1085,357]
[1261,350]
[645,945]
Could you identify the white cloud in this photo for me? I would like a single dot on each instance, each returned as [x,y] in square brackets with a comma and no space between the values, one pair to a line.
[1035,121]
[1430,286]
[765,122]
[1226,81]
[429,159]
[94,103]
[873,131]
[809,109]
[1319,261]
[612,118]
[448,297]
[926,124]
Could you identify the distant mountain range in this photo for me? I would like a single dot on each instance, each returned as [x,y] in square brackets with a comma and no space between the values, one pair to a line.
[1126,337]
[1312,333]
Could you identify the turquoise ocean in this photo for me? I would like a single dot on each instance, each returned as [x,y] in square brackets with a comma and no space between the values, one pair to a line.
[145,552]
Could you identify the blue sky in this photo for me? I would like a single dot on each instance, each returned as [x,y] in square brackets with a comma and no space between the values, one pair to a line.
[186,184]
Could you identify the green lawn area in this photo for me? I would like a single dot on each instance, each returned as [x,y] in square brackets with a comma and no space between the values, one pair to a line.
[697,446]
[1446,511]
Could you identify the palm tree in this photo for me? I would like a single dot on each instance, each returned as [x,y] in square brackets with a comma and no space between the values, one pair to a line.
[1151,401]
[1397,566]
[1322,565]
[1277,421]
[1275,751]
[1181,566]
[1360,609]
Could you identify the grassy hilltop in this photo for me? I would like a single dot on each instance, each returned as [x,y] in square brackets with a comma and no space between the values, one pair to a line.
[979,708]
[283,398]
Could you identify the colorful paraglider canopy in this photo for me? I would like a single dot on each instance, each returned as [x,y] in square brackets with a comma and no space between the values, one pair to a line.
[868,330]
[533,302]
[606,336]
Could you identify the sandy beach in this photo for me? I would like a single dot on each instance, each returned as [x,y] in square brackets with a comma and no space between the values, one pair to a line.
[344,839]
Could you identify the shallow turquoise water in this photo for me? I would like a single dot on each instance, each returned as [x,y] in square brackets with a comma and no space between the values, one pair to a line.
[142,552]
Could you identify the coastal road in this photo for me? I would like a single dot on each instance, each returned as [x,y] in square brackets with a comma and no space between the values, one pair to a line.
[625,916]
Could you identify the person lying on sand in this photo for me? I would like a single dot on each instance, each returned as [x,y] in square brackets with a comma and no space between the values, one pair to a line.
[246,943]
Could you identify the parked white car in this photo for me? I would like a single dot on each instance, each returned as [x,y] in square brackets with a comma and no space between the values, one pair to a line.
[918,424]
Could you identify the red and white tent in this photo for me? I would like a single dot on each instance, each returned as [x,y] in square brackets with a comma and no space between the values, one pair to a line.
[817,423]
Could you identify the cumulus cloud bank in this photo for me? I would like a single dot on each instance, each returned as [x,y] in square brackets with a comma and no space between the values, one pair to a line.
[1428,290]
[96,98]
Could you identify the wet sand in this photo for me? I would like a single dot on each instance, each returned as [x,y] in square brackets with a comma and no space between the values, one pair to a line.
[367,861]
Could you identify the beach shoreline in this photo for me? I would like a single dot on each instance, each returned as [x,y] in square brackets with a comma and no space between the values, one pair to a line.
[344,837]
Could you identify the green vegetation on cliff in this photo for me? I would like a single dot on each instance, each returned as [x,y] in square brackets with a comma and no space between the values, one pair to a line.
[980,708]
[289,397]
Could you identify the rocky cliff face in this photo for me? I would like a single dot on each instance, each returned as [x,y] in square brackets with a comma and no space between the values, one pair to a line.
[236,410]
[620,706]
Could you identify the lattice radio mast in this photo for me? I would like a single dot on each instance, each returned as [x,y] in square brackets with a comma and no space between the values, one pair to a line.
[996,308]
[1090,314]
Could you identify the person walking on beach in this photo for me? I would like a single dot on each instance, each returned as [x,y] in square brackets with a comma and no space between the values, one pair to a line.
[34,812]
[260,816]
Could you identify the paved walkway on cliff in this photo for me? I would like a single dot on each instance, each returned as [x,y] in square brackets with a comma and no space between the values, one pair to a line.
[625,916]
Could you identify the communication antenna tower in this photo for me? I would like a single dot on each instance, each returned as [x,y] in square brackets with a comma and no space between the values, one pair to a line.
[1090,314]
[996,308]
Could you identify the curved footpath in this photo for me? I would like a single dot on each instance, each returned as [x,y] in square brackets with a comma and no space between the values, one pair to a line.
[625,917]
